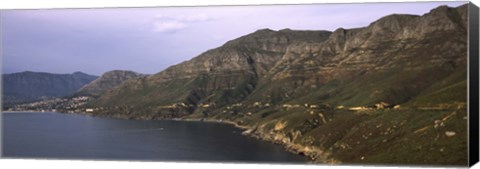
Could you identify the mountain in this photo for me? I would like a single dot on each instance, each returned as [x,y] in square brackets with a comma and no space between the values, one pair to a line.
[227,74]
[107,81]
[32,86]
[393,92]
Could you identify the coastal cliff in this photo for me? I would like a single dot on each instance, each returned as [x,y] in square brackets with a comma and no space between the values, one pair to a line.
[393,92]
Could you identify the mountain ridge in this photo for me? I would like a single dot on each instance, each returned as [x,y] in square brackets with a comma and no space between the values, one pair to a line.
[31,86]
[107,81]
[343,46]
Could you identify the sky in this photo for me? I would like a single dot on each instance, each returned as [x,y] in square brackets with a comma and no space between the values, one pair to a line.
[148,40]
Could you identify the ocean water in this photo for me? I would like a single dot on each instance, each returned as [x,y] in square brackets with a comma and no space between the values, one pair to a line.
[70,136]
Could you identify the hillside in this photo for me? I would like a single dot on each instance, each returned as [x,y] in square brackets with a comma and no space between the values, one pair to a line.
[106,82]
[33,86]
[393,92]
[227,74]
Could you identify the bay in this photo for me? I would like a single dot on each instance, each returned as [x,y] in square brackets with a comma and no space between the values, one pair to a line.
[72,136]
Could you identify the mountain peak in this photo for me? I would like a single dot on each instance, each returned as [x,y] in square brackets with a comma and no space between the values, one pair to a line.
[442,8]
[108,81]
[285,30]
[265,30]
[120,72]
[79,73]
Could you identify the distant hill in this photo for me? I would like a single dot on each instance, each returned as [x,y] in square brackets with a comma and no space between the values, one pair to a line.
[107,81]
[32,86]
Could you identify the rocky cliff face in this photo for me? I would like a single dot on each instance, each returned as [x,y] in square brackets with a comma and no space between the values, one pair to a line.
[407,53]
[226,74]
[106,82]
[352,95]
[31,86]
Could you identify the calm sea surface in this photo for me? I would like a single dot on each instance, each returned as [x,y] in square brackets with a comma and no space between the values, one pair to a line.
[68,136]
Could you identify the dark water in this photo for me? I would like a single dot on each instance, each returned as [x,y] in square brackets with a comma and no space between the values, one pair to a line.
[67,136]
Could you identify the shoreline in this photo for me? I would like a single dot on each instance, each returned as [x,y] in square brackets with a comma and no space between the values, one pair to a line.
[214,121]
[314,155]
[20,112]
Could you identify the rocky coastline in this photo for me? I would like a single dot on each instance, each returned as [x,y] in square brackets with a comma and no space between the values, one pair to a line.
[314,154]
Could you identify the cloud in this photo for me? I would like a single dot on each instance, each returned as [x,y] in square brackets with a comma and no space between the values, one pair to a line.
[184,18]
[195,18]
[168,24]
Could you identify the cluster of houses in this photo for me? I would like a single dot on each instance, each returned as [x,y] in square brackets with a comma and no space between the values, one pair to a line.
[311,106]
[176,105]
[61,104]
[231,108]
[377,106]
